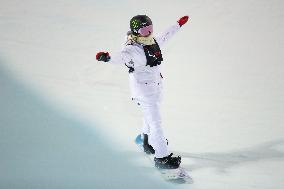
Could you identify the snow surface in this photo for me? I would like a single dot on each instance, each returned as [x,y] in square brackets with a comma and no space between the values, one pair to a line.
[223,107]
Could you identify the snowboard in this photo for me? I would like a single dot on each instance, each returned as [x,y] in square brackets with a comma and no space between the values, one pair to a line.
[179,175]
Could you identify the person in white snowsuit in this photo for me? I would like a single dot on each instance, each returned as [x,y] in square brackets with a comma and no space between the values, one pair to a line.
[142,56]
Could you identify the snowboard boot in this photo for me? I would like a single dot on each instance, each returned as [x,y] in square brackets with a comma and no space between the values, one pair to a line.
[168,162]
[148,149]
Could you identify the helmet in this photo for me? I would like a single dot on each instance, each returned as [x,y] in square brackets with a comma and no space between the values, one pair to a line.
[141,25]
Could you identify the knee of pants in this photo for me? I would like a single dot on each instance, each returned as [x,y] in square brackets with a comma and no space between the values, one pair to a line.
[154,124]
[152,116]
[156,132]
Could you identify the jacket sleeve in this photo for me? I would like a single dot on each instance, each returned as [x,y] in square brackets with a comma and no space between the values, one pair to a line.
[163,37]
[122,57]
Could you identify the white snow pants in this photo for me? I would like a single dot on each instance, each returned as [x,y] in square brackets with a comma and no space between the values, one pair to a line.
[152,127]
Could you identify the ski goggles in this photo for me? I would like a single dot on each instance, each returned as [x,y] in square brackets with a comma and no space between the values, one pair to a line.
[146,30]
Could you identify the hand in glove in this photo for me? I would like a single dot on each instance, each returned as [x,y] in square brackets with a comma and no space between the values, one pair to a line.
[182,20]
[103,56]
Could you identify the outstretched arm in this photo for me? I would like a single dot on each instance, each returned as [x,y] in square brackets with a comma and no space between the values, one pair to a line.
[166,35]
[119,58]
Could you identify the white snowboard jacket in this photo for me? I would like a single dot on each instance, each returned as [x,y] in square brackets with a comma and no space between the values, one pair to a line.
[145,81]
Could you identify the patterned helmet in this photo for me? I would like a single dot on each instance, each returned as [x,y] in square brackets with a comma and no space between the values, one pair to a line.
[141,25]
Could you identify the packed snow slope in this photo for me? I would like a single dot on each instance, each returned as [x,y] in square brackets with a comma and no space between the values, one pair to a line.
[42,147]
[223,105]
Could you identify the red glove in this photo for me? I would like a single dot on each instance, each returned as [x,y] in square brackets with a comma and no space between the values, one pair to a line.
[183,20]
[103,56]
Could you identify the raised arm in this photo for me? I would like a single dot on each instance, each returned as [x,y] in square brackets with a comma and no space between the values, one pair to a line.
[167,34]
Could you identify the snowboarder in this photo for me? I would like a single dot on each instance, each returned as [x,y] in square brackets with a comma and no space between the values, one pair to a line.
[142,56]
